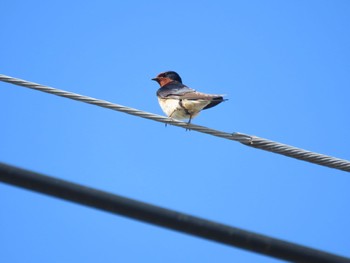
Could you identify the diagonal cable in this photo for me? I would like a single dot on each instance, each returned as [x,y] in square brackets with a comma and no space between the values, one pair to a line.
[252,141]
[185,223]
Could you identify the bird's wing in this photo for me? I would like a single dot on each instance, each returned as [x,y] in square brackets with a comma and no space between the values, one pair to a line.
[212,99]
[195,95]
[174,90]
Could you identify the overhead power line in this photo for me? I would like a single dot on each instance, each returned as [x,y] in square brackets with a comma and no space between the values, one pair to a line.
[163,217]
[252,141]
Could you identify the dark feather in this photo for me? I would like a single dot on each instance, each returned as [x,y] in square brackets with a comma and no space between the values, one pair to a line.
[216,100]
[174,88]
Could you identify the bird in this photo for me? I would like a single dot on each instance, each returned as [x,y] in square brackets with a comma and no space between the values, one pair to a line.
[179,101]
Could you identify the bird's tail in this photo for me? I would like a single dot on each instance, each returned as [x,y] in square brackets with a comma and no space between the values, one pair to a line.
[215,101]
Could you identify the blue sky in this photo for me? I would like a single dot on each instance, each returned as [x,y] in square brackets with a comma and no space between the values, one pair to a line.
[284,66]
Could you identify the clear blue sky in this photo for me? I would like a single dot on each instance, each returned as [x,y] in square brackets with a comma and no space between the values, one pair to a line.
[284,66]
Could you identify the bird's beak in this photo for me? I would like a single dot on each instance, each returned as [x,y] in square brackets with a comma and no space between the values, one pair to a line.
[155,79]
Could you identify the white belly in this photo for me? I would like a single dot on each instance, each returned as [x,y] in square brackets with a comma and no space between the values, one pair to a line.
[189,109]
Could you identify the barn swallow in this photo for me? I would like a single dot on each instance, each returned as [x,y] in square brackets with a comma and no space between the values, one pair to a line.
[179,101]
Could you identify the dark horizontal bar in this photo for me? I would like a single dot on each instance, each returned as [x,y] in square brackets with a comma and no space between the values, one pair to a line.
[164,217]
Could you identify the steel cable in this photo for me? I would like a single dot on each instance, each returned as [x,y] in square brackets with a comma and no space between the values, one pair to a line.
[252,141]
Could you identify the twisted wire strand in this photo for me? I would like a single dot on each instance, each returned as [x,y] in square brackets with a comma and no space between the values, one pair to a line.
[252,141]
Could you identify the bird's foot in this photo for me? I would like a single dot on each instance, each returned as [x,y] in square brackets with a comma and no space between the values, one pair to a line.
[188,123]
[169,120]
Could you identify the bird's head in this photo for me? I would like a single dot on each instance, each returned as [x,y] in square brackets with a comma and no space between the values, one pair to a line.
[167,77]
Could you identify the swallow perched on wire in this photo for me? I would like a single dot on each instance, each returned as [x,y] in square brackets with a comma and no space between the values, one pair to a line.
[179,101]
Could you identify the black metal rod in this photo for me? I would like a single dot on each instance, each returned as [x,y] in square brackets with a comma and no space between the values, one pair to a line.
[164,217]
